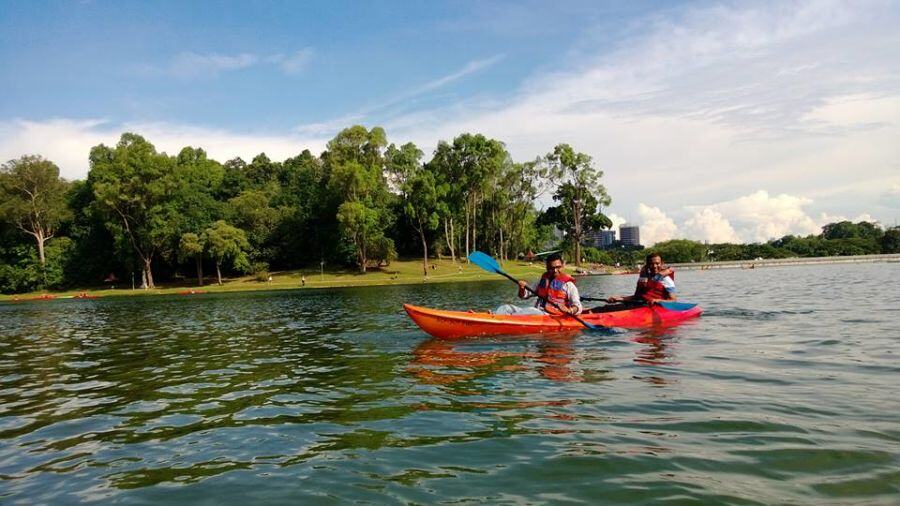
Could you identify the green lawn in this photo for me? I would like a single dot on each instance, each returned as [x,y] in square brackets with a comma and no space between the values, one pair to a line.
[399,272]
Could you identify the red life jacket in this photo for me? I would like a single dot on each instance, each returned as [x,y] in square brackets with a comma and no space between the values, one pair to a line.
[650,289]
[553,291]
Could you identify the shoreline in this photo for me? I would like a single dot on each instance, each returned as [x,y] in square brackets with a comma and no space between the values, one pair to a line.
[403,272]
[399,272]
[778,262]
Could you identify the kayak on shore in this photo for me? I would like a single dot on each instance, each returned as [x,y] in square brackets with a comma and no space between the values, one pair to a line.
[461,324]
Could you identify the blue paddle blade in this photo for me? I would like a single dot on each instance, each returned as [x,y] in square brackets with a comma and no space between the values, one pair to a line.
[676,306]
[484,261]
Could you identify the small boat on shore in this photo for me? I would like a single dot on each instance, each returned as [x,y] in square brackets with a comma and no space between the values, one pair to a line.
[462,324]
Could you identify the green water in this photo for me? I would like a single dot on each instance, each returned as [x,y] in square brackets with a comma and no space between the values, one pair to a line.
[785,394]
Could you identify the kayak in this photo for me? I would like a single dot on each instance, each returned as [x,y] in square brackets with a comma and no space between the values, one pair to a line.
[460,324]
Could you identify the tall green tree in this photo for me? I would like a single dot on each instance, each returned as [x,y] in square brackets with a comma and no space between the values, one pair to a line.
[467,164]
[419,190]
[580,195]
[226,243]
[134,185]
[301,202]
[33,199]
[357,180]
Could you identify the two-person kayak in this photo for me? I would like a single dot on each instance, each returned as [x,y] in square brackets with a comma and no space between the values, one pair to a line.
[461,324]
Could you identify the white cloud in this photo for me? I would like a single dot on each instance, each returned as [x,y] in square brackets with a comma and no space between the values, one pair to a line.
[72,141]
[189,64]
[655,225]
[760,217]
[469,68]
[66,143]
[709,225]
[757,217]
[857,110]
[616,220]
[295,63]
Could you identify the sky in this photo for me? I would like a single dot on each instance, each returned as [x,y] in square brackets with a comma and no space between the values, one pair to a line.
[713,121]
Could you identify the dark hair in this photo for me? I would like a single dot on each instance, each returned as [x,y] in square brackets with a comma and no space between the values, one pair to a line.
[554,256]
[651,256]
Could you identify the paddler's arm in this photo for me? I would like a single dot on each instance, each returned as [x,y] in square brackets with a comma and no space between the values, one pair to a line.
[574,298]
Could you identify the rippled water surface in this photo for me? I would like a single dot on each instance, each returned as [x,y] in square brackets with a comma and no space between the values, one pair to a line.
[785,391]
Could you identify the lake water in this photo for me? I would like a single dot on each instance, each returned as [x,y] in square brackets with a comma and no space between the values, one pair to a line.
[784,391]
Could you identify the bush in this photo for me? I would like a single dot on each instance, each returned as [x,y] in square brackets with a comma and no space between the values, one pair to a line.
[260,271]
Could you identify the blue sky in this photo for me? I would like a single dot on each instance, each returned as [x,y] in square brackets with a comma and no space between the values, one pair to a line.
[269,66]
[711,120]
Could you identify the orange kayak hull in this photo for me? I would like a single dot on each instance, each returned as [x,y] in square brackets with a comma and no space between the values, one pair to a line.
[461,324]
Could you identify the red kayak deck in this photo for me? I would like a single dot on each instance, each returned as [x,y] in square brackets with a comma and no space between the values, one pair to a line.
[460,324]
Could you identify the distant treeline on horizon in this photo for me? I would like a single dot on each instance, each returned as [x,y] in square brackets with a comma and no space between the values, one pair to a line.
[359,204]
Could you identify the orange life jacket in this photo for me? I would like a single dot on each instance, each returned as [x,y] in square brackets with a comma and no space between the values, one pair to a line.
[552,290]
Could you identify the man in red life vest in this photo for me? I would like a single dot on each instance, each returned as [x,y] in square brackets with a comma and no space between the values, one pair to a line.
[555,286]
[654,283]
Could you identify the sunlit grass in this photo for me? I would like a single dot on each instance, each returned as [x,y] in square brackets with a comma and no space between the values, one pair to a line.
[399,272]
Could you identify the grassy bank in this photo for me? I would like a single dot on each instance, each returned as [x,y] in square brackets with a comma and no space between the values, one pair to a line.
[398,273]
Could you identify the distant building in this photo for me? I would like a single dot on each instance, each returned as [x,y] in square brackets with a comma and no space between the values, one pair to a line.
[603,239]
[607,238]
[630,235]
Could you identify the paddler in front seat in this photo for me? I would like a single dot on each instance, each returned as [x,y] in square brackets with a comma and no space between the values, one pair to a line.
[555,286]
[654,284]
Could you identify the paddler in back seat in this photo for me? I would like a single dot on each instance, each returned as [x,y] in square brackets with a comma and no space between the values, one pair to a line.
[655,283]
[555,286]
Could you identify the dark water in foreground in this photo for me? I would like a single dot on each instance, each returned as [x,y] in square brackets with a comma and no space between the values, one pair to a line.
[785,394]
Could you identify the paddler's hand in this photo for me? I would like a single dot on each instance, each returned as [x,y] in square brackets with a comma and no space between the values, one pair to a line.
[613,299]
[522,285]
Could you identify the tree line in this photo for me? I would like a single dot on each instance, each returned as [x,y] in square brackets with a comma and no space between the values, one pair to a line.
[359,204]
[843,238]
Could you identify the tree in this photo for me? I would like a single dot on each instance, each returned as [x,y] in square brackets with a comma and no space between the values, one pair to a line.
[96,251]
[250,211]
[134,184]
[191,246]
[419,190]
[357,182]
[579,193]
[850,230]
[890,242]
[681,251]
[33,198]
[226,243]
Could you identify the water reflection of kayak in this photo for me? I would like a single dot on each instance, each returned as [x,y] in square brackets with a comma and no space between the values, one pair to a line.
[461,324]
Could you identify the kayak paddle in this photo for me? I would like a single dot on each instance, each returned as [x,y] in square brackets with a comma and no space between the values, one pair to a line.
[488,263]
